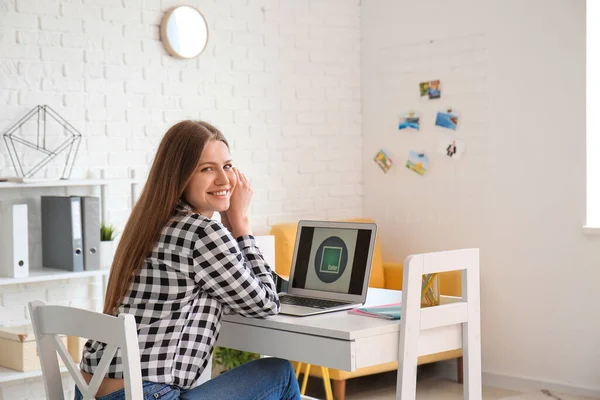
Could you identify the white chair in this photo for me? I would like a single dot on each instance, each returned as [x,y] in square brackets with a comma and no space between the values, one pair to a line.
[49,321]
[448,326]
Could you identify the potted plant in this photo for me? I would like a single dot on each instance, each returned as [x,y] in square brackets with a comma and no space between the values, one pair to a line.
[225,359]
[107,245]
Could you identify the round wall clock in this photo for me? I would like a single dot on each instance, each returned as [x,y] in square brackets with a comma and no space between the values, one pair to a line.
[184,32]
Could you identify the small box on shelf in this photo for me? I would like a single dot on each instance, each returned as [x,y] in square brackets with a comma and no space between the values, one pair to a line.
[18,349]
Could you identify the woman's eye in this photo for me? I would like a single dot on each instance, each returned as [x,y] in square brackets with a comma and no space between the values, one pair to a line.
[228,166]
[206,169]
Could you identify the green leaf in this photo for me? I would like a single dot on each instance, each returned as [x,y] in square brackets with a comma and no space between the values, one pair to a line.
[107,232]
[230,358]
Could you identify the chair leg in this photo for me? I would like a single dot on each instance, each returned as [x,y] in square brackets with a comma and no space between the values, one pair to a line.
[305,380]
[298,369]
[327,383]
[459,368]
[339,389]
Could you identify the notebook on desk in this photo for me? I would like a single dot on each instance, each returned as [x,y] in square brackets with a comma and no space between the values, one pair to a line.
[386,311]
[331,267]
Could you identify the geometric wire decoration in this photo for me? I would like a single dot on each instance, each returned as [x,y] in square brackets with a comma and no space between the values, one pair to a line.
[71,143]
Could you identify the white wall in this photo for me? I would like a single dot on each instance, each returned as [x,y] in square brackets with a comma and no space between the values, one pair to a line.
[281,78]
[515,71]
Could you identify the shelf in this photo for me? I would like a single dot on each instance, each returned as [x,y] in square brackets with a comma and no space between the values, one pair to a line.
[49,274]
[9,375]
[64,182]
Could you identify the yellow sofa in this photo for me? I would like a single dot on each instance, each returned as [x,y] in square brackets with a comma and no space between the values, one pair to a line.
[387,275]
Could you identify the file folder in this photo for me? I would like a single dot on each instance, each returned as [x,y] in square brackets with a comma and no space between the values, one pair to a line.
[14,241]
[90,214]
[62,236]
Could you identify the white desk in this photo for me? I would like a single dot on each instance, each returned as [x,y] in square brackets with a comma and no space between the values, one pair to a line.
[336,340]
[348,342]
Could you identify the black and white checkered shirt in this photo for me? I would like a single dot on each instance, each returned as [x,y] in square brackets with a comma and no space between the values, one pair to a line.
[195,270]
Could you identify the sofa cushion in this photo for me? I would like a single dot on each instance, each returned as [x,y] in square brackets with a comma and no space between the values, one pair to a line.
[285,239]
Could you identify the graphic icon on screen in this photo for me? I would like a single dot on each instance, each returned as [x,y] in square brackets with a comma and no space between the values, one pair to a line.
[331,259]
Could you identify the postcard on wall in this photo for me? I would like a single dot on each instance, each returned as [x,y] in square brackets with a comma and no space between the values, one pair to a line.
[434,91]
[447,120]
[383,160]
[453,148]
[409,120]
[417,162]
[424,88]
[431,89]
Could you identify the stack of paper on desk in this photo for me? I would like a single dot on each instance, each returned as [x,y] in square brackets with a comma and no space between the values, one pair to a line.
[388,311]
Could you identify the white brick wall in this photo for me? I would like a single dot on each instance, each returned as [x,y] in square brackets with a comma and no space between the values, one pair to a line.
[279,77]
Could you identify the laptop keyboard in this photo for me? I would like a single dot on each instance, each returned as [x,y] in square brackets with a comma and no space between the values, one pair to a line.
[309,302]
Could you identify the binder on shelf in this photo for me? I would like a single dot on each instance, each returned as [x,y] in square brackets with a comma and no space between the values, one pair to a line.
[62,235]
[14,241]
[90,214]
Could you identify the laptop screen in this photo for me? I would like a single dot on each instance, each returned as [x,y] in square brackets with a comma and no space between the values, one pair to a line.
[332,259]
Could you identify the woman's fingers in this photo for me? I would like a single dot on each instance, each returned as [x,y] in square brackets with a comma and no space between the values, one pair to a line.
[238,175]
[242,179]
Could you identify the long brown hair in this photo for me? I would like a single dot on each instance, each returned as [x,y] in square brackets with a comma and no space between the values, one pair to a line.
[176,159]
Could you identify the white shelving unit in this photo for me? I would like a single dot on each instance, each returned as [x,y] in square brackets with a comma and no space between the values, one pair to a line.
[49,274]
[64,182]
[102,183]
[9,375]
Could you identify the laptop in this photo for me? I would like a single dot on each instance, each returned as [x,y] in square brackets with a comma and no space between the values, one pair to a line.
[331,267]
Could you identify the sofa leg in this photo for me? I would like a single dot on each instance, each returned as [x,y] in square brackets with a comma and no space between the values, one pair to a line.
[339,389]
[459,368]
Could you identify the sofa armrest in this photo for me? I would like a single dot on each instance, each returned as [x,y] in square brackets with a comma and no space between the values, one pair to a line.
[393,273]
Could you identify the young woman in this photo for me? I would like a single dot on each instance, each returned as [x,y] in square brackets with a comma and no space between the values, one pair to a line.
[176,269]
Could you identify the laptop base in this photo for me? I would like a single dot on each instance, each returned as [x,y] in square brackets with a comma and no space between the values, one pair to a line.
[299,311]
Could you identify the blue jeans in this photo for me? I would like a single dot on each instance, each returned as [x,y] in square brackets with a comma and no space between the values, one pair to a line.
[262,379]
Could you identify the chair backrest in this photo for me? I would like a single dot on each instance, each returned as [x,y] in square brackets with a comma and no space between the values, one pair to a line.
[429,320]
[285,240]
[50,321]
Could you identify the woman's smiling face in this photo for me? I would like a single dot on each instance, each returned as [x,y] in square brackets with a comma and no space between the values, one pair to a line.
[212,183]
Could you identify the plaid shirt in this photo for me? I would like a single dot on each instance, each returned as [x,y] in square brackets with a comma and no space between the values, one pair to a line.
[177,298]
